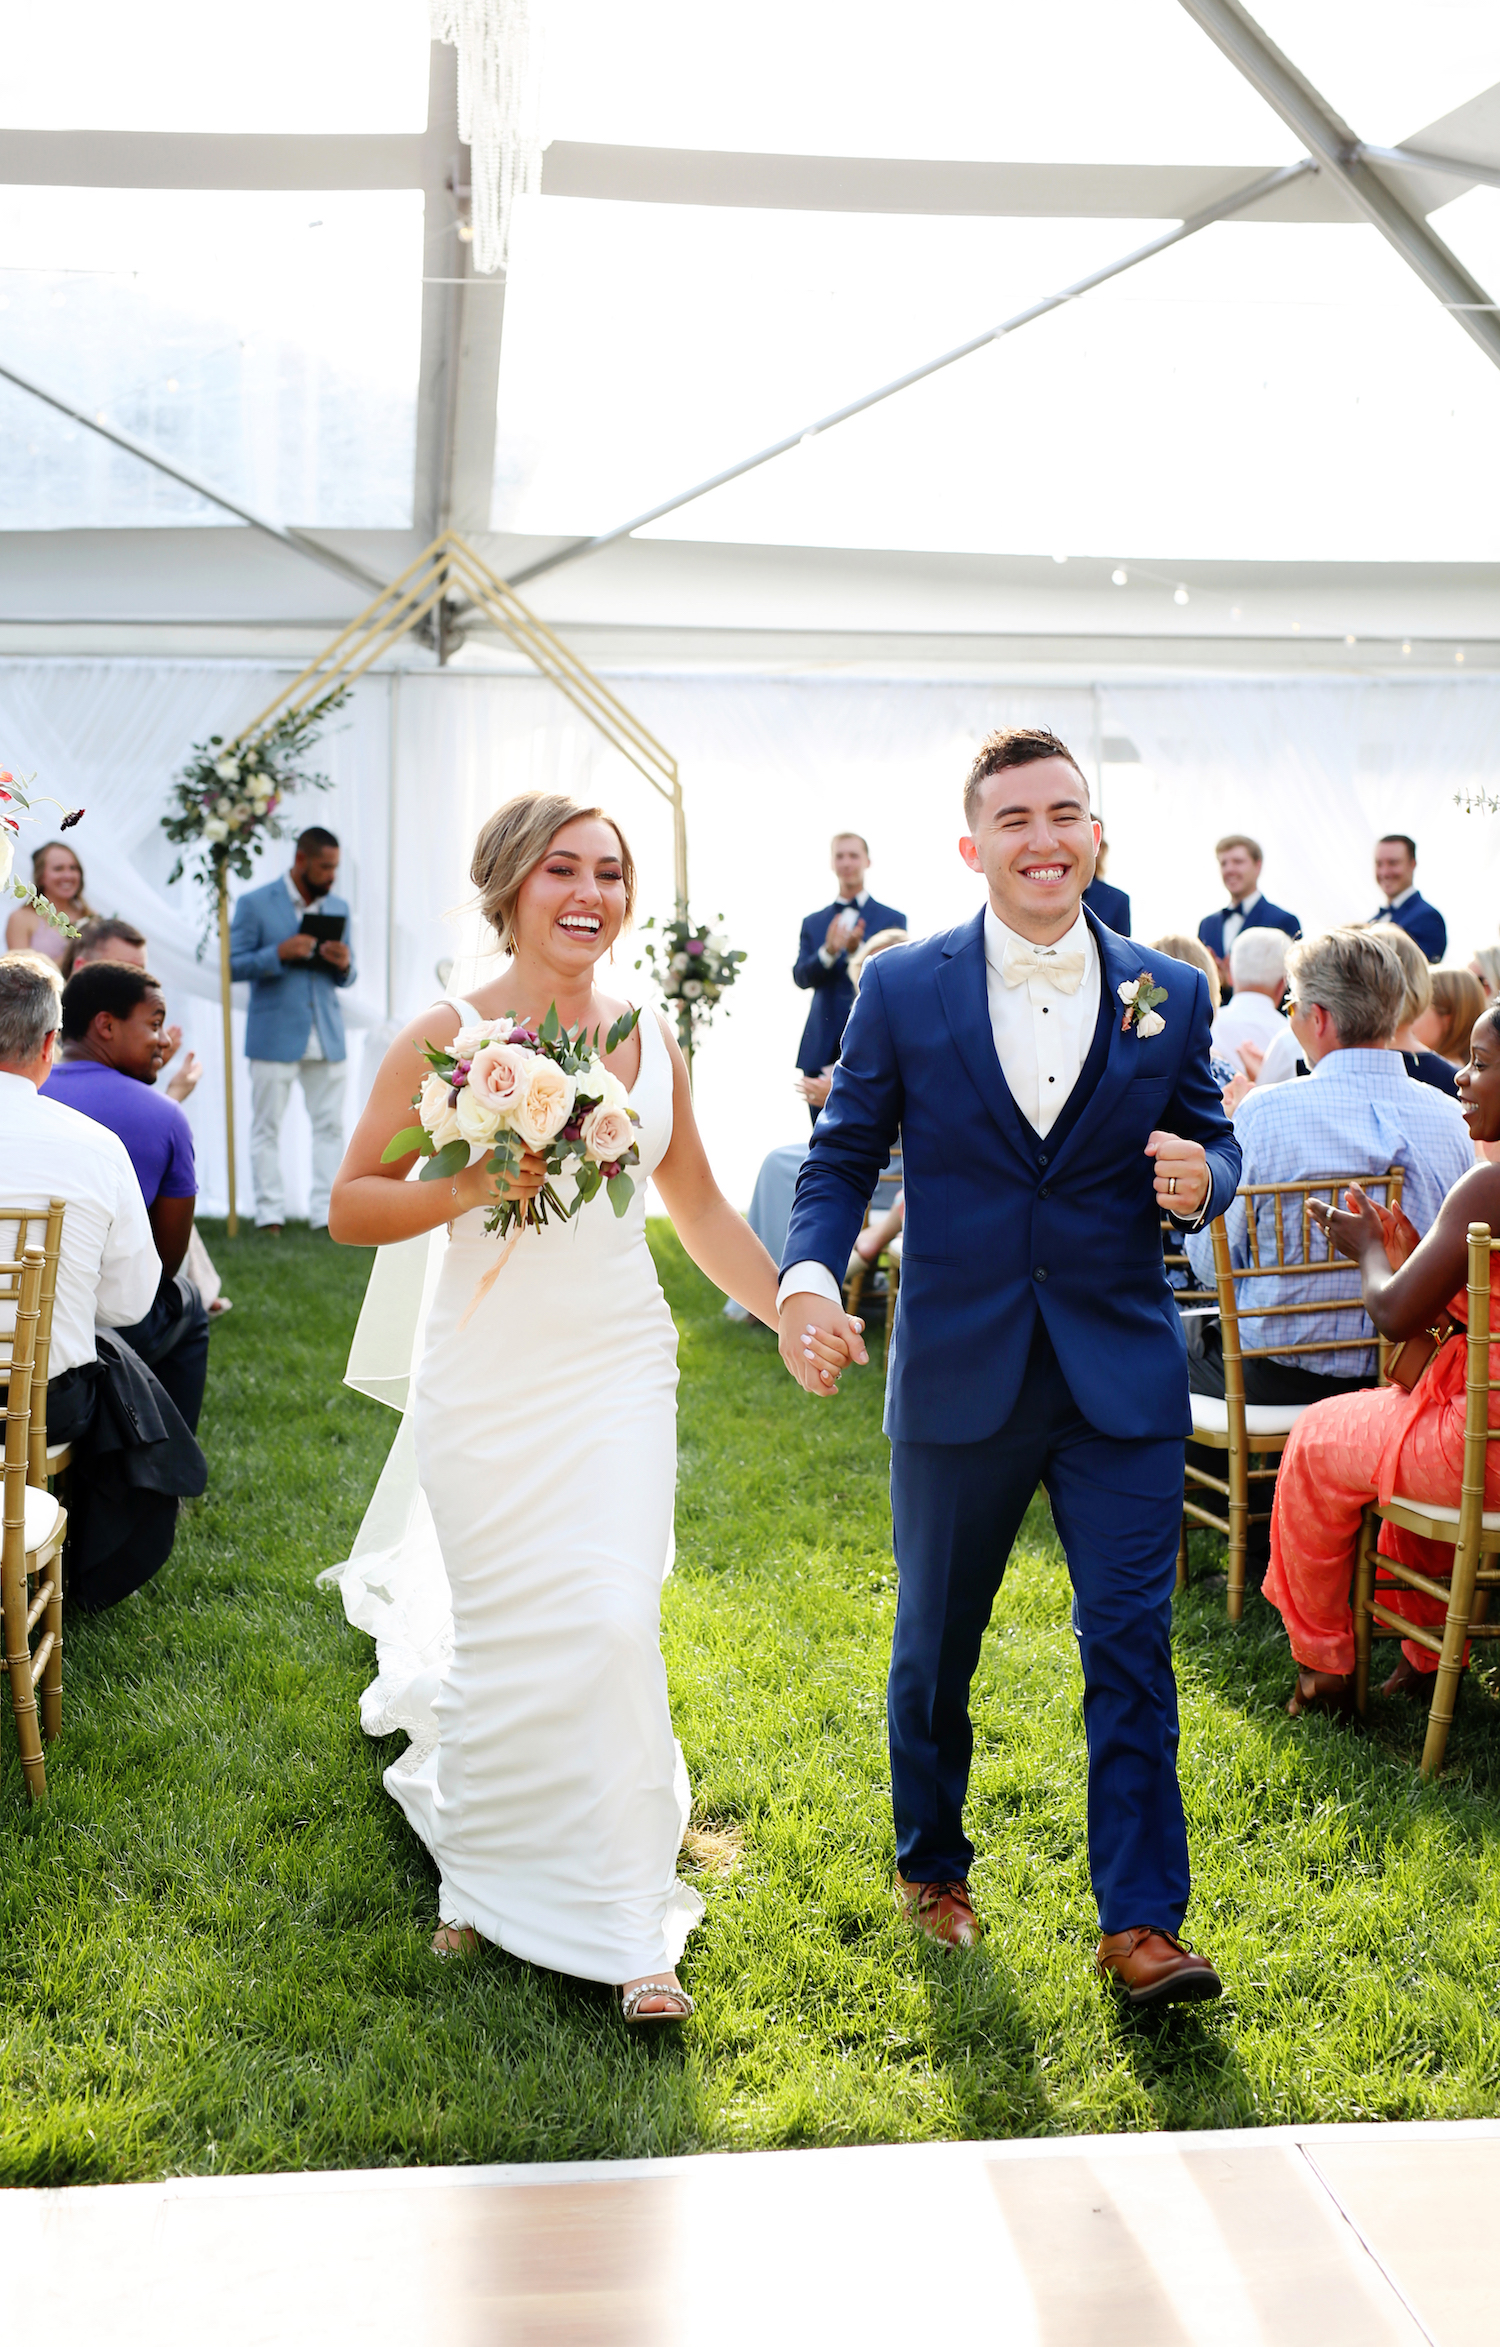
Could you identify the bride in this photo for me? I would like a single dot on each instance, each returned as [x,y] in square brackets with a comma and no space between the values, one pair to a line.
[553,1794]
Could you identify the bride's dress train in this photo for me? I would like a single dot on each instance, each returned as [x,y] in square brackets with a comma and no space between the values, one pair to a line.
[509,1568]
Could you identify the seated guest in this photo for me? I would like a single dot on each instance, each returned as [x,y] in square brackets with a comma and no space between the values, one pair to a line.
[1486,968]
[1240,863]
[112,1020]
[1396,878]
[1428,1067]
[1346,1453]
[829,937]
[133,1456]
[120,941]
[1445,1027]
[1250,1022]
[1109,905]
[1359,1113]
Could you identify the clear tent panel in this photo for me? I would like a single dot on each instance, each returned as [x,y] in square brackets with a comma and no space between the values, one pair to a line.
[266,341]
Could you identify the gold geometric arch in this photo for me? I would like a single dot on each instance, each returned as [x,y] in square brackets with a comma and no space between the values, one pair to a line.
[450,571]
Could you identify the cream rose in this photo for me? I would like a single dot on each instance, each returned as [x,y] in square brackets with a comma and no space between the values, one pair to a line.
[608,1134]
[499,1073]
[468,1040]
[478,1121]
[545,1105]
[433,1112]
[596,1083]
[1149,1023]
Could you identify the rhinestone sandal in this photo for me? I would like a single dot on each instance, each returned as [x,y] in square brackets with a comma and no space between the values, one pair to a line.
[631,2001]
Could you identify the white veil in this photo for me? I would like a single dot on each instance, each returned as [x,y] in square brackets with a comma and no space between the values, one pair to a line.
[393,1582]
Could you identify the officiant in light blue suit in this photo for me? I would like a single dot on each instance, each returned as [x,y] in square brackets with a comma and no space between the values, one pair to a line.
[295,1031]
[1050,1082]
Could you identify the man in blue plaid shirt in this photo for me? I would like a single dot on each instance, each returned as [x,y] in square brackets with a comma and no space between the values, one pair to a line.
[1357,1113]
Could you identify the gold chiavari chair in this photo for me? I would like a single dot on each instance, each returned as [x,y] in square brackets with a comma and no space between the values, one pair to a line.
[1470,1530]
[32,1541]
[1240,1428]
[33,1226]
[857,1277]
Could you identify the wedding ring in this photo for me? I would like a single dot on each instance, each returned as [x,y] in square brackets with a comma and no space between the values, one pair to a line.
[1171,1185]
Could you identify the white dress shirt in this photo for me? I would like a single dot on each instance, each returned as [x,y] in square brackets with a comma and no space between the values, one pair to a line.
[1248,1018]
[854,904]
[108,1269]
[1042,1038]
[1234,921]
[1392,905]
[312,1048]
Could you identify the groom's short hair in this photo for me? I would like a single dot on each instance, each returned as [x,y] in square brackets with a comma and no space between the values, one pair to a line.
[1014,745]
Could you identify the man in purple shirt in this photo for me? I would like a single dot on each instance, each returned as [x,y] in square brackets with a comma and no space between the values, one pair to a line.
[113,1047]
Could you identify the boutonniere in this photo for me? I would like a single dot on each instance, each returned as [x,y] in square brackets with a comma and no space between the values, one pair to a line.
[1140,997]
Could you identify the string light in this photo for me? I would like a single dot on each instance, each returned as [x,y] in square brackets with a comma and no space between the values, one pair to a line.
[1120,578]
[1179,595]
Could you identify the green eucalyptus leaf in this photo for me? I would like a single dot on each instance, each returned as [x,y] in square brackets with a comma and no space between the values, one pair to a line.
[403,1143]
[450,1160]
[621,1191]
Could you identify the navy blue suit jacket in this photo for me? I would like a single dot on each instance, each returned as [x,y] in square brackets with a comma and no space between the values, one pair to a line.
[1421,921]
[1265,915]
[1000,1223]
[832,990]
[1111,904]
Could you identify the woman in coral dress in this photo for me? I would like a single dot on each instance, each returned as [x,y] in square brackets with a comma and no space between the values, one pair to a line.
[1357,1448]
[517,1607]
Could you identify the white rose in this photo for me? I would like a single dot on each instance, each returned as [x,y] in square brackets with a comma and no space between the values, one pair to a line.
[252,757]
[608,1135]
[468,1040]
[1150,1023]
[215,829]
[227,770]
[478,1120]
[434,1114]
[1126,992]
[545,1106]
[692,988]
[596,1083]
[680,962]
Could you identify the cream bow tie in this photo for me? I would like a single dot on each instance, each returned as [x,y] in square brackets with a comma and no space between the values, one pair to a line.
[1062,970]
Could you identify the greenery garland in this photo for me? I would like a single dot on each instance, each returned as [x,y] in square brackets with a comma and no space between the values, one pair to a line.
[227,800]
[16,796]
[694,967]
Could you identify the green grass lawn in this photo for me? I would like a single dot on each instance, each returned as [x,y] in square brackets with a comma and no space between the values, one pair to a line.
[213,1937]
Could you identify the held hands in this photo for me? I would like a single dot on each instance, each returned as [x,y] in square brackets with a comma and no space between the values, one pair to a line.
[818,1342]
[1183,1180]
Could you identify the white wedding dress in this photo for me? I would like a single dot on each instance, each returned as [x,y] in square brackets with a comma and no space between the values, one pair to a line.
[510,1568]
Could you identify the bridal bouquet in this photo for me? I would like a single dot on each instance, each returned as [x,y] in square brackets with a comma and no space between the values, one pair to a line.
[501,1090]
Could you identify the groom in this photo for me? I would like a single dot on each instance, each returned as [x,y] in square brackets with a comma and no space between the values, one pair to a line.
[1048,1118]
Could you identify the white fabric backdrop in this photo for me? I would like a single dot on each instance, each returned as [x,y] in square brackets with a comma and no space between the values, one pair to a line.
[771,767]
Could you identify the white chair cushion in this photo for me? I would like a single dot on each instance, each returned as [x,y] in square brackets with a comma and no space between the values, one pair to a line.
[41,1516]
[1440,1513]
[1211,1416]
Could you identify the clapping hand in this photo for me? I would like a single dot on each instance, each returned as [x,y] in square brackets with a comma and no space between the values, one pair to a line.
[840,939]
[185,1081]
[1360,1225]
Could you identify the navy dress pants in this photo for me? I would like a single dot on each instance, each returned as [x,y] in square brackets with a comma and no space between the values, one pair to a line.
[956,1509]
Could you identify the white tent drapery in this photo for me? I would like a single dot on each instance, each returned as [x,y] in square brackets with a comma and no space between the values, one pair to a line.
[772,766]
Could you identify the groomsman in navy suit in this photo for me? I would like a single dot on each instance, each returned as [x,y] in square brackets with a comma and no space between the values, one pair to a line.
[1239,868]
[829,937]
[1396,878]
[1051,1085]
[1108,904]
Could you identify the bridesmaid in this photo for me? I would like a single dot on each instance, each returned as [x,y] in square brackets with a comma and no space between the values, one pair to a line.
[57,875]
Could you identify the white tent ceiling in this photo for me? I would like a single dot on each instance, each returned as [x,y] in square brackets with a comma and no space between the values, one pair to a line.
[238,241]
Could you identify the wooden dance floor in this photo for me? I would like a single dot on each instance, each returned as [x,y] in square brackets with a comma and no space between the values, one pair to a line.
[1316,2237]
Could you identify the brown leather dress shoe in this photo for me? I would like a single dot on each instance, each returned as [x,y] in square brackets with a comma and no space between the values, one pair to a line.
[1330,1691]
[1154,1968]
[1407,1680]
[943,1910]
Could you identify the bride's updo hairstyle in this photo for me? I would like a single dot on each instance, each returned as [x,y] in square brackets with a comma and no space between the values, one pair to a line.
[516,839]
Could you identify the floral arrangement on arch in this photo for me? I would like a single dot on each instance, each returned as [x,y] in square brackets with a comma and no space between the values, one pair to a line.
[694,967]
[15,809]
[226,800]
